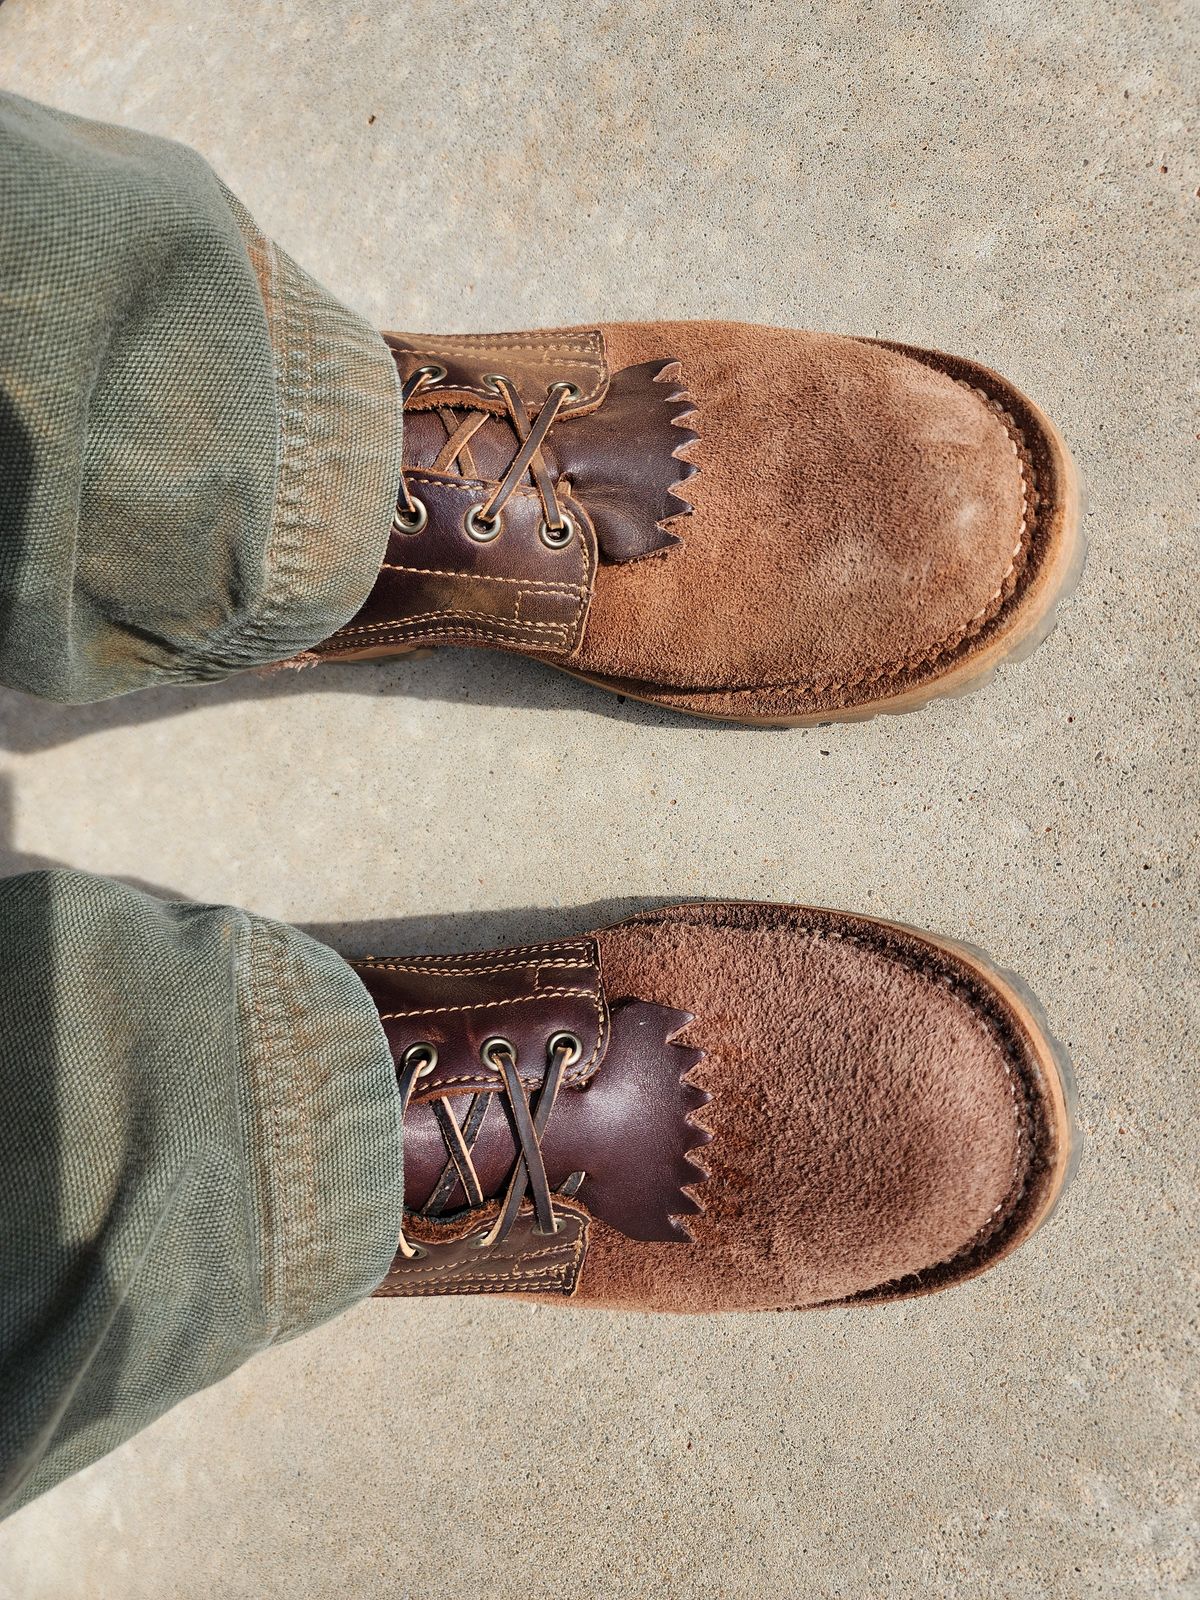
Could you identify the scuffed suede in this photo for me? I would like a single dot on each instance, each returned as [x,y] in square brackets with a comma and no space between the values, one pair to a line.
[882,1123]
[864,517]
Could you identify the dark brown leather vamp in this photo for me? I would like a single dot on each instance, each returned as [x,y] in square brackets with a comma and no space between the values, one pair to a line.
[488,547]
[617,1137]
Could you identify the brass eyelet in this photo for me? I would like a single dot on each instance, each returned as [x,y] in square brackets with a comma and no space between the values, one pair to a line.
[434,371]
[557,538]
[423,1047]
[496,1042]
[419,1251]
[547,1233]
[572,390]
[565,1041]
[492,381]
[403,522]
[482,529]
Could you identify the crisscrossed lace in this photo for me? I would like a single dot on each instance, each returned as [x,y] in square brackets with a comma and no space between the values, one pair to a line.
[483,522]
[528,1123]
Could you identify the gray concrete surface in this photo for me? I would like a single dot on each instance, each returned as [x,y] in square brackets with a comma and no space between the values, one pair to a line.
[1012,180]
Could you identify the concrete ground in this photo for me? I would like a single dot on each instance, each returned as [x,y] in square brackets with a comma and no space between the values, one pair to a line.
[1009,180]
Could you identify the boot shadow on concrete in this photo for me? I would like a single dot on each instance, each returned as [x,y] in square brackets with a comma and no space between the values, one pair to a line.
[451,677]
[438,933]
[457,932]
[14,861]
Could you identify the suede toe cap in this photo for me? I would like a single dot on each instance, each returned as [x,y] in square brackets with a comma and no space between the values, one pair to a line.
[879,1123]
[859,512]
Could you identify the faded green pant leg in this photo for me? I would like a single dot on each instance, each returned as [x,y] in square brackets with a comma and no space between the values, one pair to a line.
[199,448]
[199,1156]
[199,1150]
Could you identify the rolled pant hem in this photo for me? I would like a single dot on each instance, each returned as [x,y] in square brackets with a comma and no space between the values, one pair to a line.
[337,468]
[323,1134]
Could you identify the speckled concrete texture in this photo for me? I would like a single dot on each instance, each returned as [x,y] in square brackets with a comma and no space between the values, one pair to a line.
[1014,181]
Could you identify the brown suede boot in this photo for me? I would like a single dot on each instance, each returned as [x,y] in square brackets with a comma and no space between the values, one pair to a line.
[719,1107]
[742,522]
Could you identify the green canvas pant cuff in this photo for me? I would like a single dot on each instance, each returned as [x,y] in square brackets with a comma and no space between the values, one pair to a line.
[200,1156]
[199,447]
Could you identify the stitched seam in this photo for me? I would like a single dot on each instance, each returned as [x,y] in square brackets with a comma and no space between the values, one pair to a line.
[579,351]
[447,636]
[508,1255]
[461,972]
[539,1274]
[1010,1201]
[469,616]
[512,341]
[482,963]
[299,1243]
[308,1165]
[275,1197]
[481,959]
[469,486]
[572,355]
[538,1277]
[478,1081]
[488,1005]
[477,1286]
[485,577]
[500,1257]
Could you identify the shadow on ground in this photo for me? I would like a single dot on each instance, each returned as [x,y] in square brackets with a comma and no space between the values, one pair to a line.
[455,933]
[449,676]
[440,933]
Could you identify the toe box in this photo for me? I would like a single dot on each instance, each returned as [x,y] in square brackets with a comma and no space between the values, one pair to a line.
[860,511]
[881,1124]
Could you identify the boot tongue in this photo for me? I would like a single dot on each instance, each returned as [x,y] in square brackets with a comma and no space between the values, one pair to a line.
[490,450]
[624,1113]
[630,1131]
[625,461]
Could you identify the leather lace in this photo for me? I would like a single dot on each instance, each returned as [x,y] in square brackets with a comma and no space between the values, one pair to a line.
[528,457]
[527,1121]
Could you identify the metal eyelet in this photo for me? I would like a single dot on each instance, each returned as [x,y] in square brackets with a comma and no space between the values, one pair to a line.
[478,1241]
[482,529]
[434,371]
[492,381]
[565,1041]
[429,1051]
[496,1042]
[557,538]
[419,1251]
[572,390]
[404,523]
